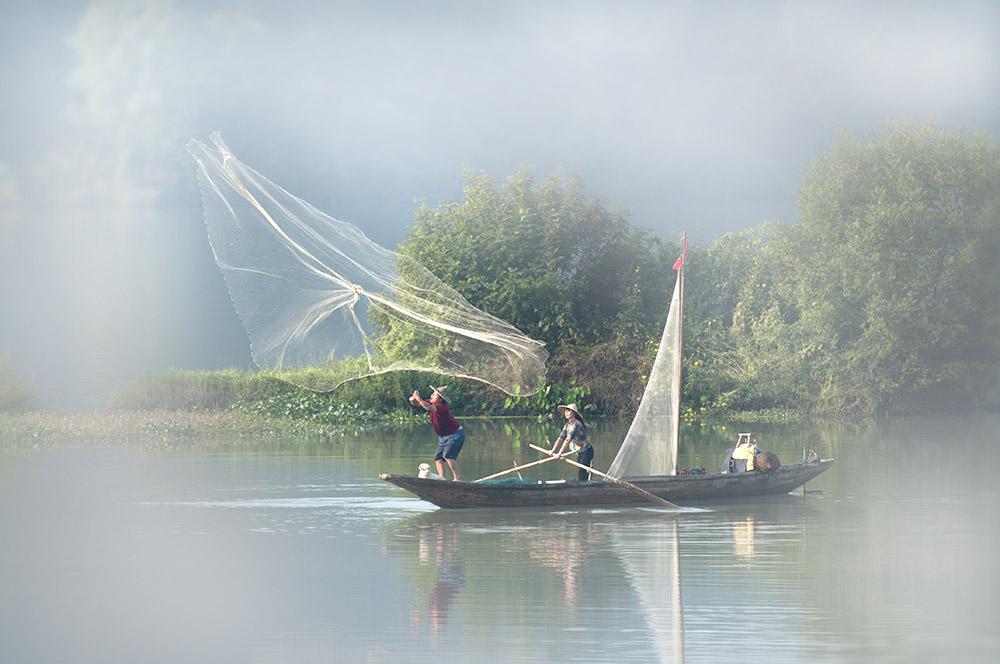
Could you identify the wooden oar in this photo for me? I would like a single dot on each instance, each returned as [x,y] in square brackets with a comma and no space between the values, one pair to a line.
[518,468]
[622,483]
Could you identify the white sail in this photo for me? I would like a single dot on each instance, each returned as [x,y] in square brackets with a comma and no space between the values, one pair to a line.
[650,446]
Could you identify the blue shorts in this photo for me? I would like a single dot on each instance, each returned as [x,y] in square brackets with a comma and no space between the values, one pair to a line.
[449,446]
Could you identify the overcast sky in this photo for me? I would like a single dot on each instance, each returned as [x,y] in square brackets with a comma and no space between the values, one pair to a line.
[696,116]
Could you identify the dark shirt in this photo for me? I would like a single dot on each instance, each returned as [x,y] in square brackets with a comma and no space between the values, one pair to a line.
[443,421]
[576,433]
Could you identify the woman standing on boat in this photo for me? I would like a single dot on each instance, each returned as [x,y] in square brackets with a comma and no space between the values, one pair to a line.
[574,435]
[451,435]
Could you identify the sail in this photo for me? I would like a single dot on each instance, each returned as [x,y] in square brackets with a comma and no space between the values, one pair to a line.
[650,446]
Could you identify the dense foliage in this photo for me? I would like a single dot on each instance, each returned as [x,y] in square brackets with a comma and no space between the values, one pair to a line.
[561,268]
[883,298]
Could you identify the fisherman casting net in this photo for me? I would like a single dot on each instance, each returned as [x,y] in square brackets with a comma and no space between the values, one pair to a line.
[324,304]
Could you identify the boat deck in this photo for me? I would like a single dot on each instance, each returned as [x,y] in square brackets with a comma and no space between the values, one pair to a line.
[681,489]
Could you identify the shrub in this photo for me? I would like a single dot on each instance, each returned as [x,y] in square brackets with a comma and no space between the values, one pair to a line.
[16,395]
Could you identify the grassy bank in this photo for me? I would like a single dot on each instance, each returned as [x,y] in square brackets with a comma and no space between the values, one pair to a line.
[168,429]
[179,408]
[177,429]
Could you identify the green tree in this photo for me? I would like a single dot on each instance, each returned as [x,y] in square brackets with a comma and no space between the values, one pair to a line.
[895,265]
[559,267]
[741,348]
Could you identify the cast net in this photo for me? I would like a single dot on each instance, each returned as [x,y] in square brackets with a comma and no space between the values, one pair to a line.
[323,304]
[650,446]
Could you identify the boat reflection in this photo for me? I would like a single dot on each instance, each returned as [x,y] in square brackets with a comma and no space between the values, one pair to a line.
[743,539]
[586,571]
[654,568]
[566,549]
[437,545]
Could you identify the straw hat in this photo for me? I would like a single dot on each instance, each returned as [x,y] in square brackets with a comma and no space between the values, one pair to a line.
[442,392]
[572,407]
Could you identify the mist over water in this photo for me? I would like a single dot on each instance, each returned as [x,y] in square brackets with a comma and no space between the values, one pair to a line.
[295,551]
[694,117]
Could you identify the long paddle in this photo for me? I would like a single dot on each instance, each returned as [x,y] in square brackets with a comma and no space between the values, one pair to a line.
[518,468]
[622,483]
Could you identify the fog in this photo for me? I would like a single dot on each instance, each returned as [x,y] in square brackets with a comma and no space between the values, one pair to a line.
[696,116]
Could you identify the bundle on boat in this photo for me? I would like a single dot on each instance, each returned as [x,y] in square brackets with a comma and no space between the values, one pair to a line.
[747,457]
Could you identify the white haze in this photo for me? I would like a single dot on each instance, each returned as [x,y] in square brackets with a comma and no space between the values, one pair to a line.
[697,116]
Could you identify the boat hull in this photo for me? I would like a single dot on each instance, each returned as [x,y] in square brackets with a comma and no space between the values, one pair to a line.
[680,489]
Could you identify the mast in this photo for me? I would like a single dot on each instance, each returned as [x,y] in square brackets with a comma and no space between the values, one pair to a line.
[680,349]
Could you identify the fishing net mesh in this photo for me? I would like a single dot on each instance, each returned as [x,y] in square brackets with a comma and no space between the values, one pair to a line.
[323,304]
[650,446]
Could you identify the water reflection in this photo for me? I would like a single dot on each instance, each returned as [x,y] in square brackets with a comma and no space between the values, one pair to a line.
[616,579]
[743,539]
[275,555]
[655,571]
[609,579]
[565,549]
[438,546]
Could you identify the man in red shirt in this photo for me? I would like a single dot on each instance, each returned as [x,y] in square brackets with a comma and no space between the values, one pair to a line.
[451,435]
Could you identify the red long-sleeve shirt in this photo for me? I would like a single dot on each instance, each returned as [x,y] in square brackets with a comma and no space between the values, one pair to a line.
[443,421]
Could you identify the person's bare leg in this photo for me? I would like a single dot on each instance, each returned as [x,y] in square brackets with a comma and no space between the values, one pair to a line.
[454,468]
[440,465]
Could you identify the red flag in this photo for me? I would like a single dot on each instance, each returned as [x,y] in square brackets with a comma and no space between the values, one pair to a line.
[679,265]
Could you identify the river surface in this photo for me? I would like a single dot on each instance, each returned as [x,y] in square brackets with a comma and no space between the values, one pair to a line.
[243,553]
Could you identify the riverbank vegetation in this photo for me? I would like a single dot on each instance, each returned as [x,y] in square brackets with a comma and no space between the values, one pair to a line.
[881,298]
[16,395]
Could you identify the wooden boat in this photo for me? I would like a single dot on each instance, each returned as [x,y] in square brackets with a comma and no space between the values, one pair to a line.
[645,468]
[680,489]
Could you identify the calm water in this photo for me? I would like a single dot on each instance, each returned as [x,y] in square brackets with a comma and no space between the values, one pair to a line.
[298,553]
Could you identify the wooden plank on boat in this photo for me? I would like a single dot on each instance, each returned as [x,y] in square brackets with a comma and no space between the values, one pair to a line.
[622,483]
[517,468]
